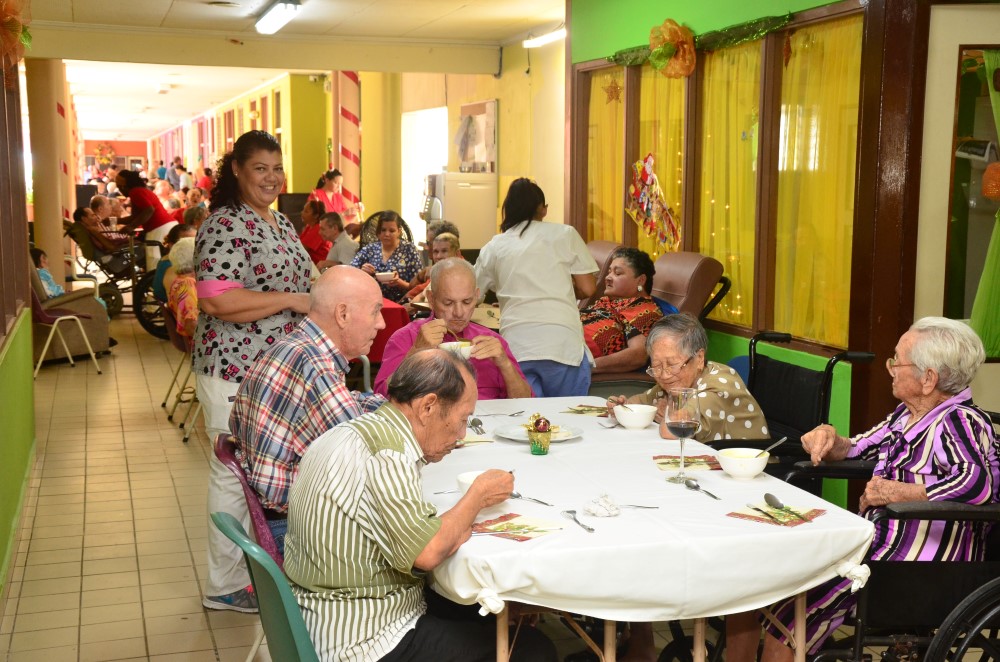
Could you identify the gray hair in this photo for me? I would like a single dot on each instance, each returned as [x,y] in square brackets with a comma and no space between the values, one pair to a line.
[682,327]
[182,255]
[434,228]
[446,266]
[950,348]
[430,371]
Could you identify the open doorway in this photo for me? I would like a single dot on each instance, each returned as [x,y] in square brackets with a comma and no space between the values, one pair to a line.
[424,152]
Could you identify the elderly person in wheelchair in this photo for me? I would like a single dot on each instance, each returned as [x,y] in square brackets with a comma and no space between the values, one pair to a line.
[935,446]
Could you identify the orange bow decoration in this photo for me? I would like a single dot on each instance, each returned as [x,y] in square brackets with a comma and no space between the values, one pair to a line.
[14,36]
[672,49]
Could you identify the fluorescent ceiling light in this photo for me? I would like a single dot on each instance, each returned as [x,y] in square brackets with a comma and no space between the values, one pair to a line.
[535,42]
[277,15]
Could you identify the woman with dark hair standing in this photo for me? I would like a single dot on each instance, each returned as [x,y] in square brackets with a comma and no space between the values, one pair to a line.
[330,191]
[253,279]
[538,271]
[147,212]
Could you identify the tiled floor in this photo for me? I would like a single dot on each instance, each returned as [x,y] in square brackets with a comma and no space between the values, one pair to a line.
[110,558]
[111,551]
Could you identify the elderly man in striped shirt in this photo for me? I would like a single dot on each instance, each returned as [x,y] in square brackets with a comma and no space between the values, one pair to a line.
[361,537]
[294,393]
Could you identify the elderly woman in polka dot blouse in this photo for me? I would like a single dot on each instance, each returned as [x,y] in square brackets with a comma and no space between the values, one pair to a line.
[676,346]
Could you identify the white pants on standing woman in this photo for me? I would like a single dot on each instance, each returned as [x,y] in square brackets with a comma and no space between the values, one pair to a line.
[227,570]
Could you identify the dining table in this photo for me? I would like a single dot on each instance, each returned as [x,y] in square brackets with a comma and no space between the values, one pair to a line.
[396,318]
[684,555]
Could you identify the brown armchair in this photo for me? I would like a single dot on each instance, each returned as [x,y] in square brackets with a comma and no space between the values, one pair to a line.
[76,302]
[687,280]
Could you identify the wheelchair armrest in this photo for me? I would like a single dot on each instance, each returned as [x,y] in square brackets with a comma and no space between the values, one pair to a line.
[69,297]
[841,469]
[948,511]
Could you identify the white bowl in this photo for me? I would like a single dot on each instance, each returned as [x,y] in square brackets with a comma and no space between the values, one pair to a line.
[384,276]
[463,349]
[742,463]
[466,479]
[636,417]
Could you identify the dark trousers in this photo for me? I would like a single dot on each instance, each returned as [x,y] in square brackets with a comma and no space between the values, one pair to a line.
[456,633]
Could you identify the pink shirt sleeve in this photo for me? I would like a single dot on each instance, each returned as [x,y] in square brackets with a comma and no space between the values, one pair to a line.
[395,351]
[213,288]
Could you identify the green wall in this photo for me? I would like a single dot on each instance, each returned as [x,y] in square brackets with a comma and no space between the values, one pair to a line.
[599,28]
[306,124]
[17,395]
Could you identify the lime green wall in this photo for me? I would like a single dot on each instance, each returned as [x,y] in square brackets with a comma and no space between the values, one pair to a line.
[307,133]
[600,28]
[381,129]
[17,394]
[722,347]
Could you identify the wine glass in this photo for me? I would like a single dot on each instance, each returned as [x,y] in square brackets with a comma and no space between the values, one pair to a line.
[683,419]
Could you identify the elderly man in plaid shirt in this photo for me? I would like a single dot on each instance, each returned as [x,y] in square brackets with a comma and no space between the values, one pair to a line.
[296,392]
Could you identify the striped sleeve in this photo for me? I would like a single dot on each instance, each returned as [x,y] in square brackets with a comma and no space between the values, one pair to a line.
[964,443]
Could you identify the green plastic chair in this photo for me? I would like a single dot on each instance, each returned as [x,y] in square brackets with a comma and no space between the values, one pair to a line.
[287,637]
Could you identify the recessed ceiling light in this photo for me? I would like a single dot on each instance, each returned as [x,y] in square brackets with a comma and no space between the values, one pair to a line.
[222,3]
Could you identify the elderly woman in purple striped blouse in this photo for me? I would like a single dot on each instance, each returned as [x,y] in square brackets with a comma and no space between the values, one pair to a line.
[936,446]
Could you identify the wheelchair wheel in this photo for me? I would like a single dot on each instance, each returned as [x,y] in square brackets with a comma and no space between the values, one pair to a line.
[970,631]
[112,297]
[147,309]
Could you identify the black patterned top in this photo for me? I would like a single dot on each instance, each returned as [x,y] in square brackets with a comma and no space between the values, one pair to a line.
[237,248]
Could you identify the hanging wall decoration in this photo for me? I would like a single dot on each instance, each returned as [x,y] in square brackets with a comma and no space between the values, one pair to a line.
[647,208]
[613,90]
[671,49]
[14,37]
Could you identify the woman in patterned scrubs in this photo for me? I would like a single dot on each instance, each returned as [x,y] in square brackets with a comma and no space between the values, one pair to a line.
[390,254]
[253,279]
[935,446]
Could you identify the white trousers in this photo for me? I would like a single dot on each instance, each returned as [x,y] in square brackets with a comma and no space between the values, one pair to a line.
[227,570]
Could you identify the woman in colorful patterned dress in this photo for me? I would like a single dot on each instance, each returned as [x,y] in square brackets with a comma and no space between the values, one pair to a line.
[935,446]
[615,326]
[390,254]
[252,280]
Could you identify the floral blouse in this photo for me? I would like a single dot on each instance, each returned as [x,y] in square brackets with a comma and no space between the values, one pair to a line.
[608,324]
[405,261]
[183,301]
[236,248]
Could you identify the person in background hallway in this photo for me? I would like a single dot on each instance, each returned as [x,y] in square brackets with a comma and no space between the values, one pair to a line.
[315,245]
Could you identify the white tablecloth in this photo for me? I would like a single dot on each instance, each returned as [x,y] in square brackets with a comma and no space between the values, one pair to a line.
[685,560]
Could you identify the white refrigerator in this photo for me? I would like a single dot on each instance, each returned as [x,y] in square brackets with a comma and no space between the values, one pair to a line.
[469,200]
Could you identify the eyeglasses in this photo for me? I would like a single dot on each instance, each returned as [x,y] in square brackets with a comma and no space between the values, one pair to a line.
[667,370]
[891,364]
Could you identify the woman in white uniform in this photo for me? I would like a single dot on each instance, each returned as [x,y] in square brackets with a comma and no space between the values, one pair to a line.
[538,271]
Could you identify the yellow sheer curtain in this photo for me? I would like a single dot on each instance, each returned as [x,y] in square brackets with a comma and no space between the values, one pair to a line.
[661,132]
[816,164]
[606,155]
[726,228]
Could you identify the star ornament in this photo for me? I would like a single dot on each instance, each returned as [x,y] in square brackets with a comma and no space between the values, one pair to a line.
[613,90]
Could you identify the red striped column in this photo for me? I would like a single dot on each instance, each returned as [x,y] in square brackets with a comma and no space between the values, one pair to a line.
[348,120]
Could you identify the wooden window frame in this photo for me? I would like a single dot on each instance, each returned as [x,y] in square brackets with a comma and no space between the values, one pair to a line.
[893,80]
[15,292]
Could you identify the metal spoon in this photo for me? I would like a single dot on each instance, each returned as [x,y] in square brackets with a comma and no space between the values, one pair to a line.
[772,446]
[477,426]
[764,512]
[572,514]
[518,495]
[776,503]
[692,484]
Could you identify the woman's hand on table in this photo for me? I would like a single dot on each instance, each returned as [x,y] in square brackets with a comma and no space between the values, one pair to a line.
[493,487]
[880,492]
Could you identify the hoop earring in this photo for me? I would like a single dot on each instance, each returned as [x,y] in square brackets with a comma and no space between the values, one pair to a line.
[640,288]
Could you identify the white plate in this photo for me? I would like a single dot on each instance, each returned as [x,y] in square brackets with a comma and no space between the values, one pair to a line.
[519,433]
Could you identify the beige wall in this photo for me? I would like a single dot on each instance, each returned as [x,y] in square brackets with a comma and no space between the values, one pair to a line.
[531,116]
[380,141]
[951,27]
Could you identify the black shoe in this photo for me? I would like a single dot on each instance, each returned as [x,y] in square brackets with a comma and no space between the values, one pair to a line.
[112,342]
